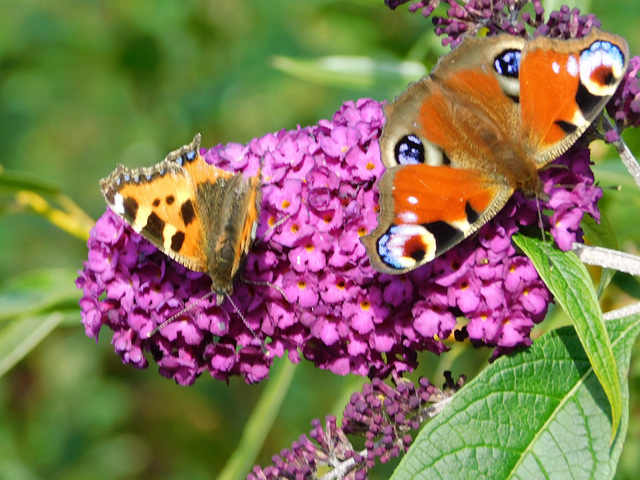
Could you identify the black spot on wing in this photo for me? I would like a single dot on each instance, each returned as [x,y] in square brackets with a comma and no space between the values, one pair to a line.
[587,101]
[110,196]
[130,207]
[567,127]
[170,199]
[154,227]
[603,76]
[156,202]
[176,241]
[445,235]
[472,215]
[417,254]
[190,156]
[188,212]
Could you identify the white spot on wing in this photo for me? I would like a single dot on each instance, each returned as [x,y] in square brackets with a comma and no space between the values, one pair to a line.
[141,218]
[462,225]
[168,232]
[182,195]
[433,155]
[408,217]
[578,118]
[572,66]
[118,204]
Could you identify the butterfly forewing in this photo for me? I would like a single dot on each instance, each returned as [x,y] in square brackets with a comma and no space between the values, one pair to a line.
[565,85]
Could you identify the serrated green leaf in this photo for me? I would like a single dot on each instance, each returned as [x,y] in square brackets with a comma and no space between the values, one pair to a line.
[36,291]
[538,413]
[567,278]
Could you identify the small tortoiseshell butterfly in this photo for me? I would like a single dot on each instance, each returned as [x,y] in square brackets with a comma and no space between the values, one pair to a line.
[459,142]
[201,216]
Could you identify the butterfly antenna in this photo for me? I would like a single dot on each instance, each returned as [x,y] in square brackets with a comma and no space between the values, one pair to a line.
[246,324]
[274,226]
[540,222]
[181,312]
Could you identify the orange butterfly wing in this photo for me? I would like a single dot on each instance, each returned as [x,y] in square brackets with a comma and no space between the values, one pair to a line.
[201,216]
[434,208]
[565,85]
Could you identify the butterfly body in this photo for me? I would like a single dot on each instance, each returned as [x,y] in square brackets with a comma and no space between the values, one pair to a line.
[459,142]
[203,217]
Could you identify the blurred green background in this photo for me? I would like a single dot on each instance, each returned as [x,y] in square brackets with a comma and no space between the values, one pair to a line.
[87,84]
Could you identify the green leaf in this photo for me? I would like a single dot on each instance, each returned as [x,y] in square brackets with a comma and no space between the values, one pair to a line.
[613,173]
[15,180]
[601,235]
[538,413]
[353,72]
[22,335]
[31,306]
[36,291]
[567,278]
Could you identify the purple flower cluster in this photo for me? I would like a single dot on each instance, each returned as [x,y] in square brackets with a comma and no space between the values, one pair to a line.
[498,16]
[565,23]
[320,192]
[306,458]
[383,415]
[624,107]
